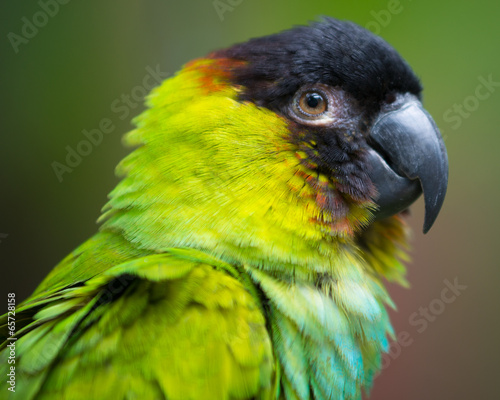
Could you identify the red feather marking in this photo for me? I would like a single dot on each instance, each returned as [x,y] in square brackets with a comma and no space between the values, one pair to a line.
[216,74]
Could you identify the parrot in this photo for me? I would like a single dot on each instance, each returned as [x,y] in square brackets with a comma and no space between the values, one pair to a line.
[245,252]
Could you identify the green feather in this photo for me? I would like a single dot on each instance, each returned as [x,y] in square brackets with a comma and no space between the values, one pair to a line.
[209,278]
[161,324]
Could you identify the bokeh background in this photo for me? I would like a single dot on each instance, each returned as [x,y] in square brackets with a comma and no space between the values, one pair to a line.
[89,54]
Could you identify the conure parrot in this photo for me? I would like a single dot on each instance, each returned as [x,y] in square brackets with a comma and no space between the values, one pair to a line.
[244,252]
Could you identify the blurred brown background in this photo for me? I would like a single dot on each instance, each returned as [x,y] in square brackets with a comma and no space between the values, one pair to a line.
[70,73]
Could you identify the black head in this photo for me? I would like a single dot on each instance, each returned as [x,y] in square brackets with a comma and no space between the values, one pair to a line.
[336,53]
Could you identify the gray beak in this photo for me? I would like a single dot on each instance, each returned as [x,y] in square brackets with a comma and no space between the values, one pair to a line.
[408,157]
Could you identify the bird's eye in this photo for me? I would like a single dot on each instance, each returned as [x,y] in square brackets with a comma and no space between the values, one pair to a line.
[313,103]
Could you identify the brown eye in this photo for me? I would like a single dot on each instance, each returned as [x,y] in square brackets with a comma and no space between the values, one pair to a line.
[315,105]
[312,103]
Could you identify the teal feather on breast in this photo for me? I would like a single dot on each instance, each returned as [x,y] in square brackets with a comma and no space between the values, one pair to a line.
[328,336]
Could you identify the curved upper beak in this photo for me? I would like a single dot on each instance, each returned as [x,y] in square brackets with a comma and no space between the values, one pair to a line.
[408,156]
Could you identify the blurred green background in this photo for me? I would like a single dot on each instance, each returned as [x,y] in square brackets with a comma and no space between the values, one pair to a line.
[88,54]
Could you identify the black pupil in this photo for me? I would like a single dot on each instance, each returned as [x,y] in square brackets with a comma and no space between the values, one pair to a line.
[313,100]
